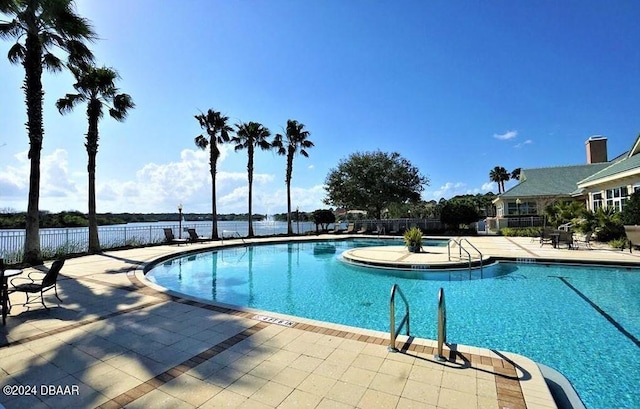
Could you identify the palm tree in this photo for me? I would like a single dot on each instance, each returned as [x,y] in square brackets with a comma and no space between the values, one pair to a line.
[499,175]
[296,142]
[96,87]
[215,124]
[38,26]
[249,136]
[515,174]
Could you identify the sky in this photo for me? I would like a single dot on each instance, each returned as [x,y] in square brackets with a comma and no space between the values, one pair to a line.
[457,88]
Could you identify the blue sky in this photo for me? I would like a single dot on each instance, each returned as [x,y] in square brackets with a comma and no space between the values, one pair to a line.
[455,87]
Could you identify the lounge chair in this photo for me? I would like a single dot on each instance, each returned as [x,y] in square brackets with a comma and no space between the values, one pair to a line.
[633,235]
[363,229]
[350,228]
[336,229]
[193,236]
[38,286]
[171,239]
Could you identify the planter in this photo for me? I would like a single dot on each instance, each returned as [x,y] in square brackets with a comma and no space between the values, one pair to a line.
[414,248]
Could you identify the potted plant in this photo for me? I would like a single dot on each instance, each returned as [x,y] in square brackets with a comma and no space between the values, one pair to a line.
[413,239]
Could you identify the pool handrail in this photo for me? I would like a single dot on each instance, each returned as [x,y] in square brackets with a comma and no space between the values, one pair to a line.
[461,249]
[392,314]
[442,325]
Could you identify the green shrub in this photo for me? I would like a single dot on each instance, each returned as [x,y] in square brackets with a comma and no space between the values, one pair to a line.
[413,238]
[520,231]
[618,243]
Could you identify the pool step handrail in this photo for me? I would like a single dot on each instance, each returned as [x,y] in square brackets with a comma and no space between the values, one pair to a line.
[442,325]
[392,320]
[461,249]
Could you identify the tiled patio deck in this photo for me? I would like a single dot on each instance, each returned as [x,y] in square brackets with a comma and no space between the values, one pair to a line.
[116,342]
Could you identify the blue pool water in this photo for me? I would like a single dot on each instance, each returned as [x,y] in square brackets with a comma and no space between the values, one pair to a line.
[546,312]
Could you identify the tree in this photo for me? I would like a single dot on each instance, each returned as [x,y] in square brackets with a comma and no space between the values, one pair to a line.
[457,212]
[630,214]
[218,132]
[296,142]
[42,25]
[323,217]
[499,175]
[373,180]
[515,174]
[250,136]
[96,87]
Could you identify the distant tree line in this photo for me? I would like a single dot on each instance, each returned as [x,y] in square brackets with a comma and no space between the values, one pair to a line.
[17,220]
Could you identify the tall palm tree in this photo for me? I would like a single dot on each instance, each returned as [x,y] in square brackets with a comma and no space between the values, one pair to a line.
[249,136]
[37,26]
[296,142]
[218,132]
[96,87]
[515,174]
[499,175]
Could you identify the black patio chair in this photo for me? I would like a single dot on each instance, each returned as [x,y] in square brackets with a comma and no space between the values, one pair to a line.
[38,286]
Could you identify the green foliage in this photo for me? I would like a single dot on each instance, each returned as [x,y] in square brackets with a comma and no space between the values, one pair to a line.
[372,180]
[413,239]
[323,217]
[620,243]
[630,215]
[609,225]
[559,213]
[520,232]
[459,212]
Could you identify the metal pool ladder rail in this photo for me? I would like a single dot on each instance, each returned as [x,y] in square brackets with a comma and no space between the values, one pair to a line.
[442,325]
[392,313]
[461,249]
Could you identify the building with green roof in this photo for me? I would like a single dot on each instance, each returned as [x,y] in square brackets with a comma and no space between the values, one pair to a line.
[598,183]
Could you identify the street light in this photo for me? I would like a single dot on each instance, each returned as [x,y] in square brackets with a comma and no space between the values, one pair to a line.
[180,221]
[298,219]
[518,201]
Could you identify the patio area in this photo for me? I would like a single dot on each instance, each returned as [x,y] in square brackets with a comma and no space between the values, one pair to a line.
[116,342]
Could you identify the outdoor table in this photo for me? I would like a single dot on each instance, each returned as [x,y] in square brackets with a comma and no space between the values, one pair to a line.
[4,291]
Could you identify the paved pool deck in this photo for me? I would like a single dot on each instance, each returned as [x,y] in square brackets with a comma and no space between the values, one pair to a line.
[118,341]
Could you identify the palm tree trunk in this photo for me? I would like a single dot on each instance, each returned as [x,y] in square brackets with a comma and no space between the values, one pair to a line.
[92,152]
[34,95]
[214,210]
[288,177]
[250,175]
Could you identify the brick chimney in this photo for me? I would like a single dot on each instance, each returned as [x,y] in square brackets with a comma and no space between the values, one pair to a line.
[596,149]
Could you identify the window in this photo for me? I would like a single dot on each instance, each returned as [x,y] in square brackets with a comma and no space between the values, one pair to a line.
[616,197]
[597,201]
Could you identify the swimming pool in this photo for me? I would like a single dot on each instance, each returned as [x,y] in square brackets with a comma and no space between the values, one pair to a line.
[583,321]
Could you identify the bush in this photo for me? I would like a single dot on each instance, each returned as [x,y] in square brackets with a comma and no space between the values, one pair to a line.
[618,243]
[413,239]
[521,232]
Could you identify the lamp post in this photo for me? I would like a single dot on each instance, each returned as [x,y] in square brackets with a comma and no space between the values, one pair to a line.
[298,219]
[518,201]
[180,221]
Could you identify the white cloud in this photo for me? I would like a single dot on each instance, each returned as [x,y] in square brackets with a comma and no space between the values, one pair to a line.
[506,136]
[310,166]
[154,187]
[521,144]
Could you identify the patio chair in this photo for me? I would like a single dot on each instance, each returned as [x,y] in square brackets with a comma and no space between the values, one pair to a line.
[193,236]
[586,240]
[565,237]
[171,239]
[336,229]
[363,229]
[38,286]
[546,236]
[350,228]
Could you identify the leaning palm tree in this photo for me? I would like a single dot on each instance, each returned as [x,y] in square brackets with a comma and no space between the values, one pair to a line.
[218,132]
[249,136]
[96,87]
[38,26]
[296,142]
